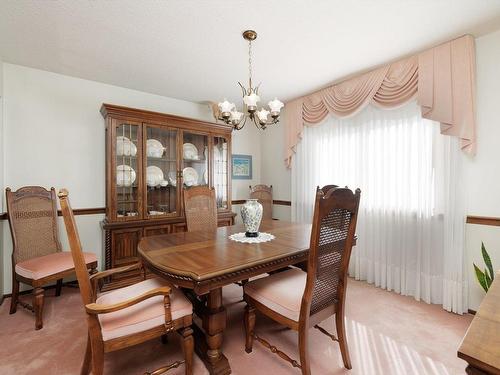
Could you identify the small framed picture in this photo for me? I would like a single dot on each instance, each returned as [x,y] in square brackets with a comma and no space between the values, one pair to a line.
[242,167]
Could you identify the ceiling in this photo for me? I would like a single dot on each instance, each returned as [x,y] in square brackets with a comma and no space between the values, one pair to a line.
[193,50]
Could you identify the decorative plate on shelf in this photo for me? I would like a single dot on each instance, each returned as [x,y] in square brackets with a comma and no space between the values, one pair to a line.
[190,151]
[156,213]
[154,148]
[125,147]
[190,176]
[125,175]
[154,176]
[172,178]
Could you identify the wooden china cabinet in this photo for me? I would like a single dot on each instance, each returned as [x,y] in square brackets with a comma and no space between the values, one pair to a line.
[151,158]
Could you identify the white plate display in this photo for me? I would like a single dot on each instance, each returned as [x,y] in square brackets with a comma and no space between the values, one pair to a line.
[172,178]
[190,151]
[154,148]
[124,147]
[155,213]
[125,175]
[190,176]
[154,176]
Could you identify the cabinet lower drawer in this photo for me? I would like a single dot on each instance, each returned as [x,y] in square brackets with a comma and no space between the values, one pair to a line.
[156,230]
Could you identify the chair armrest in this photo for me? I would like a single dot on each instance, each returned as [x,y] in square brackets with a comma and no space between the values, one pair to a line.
[112,271]
[95,308]
[97,277]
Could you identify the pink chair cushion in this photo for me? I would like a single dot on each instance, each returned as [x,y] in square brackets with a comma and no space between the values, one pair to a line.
[144,315]
[40,267]
[281,292]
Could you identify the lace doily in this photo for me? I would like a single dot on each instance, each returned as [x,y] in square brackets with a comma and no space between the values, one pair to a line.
[263,237]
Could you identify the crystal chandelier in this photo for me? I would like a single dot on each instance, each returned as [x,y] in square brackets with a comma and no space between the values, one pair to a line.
[230,115]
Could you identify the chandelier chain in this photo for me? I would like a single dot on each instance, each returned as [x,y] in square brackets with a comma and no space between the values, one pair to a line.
[250,63]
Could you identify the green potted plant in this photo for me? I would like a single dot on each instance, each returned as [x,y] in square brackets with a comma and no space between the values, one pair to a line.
[485,278]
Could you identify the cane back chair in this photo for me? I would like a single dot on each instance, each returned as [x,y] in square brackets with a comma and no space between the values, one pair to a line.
[302,300]
[264,195]
[200,208]
[37,259]
[130,315]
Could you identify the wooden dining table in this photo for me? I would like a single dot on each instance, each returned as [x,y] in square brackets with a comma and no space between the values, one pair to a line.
[480,346]
[203,262]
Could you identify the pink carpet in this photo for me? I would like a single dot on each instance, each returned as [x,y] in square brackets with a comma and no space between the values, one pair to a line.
[387,334]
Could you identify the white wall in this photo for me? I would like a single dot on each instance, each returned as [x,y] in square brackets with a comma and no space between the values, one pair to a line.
[482,173]
[246,141]
[274,171]
[55,137]
[484,196]
[2,139]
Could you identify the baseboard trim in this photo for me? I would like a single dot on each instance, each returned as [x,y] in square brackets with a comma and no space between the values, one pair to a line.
[102,210]
[484,220]
[275,201]
[282,203]
[480,220]
[76,212]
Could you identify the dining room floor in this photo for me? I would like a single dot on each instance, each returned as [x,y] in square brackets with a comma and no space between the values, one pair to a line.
[387,334]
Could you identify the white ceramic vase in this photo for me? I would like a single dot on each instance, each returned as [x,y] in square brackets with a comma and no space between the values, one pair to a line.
[251,213]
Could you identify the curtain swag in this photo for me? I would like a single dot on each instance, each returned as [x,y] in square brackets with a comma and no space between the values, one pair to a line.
[441,78]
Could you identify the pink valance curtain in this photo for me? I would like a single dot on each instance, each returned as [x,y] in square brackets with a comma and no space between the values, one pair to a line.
[441,78]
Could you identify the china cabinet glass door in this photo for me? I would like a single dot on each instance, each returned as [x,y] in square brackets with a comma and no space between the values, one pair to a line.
[220,172]
[195,159]
[127,170]
[161,171]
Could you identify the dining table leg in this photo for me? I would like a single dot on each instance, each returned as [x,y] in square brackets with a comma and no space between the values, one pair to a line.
[213,319]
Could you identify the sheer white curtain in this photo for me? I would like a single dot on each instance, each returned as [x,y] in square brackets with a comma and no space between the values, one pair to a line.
[411,220]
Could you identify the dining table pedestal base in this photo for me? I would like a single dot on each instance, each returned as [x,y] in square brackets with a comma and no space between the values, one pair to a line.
[201,263]
[219,366]
[208,341]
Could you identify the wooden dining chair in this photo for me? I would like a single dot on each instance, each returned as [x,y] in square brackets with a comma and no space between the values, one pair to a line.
[200,208]
[37,257]
[264,194]
[325,188]
[130,315]
[301,300]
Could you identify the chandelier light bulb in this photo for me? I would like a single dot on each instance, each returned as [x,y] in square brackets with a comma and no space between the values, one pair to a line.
[275,106]
[251,100]
[262,115]
[236,116]
[226,107]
